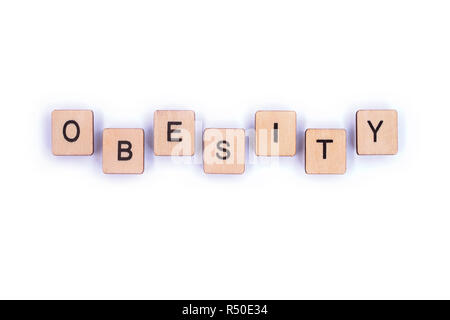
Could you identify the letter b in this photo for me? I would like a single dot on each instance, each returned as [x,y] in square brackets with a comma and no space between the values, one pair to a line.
[122,150]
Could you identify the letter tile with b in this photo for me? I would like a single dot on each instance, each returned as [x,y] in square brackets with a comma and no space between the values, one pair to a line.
[325,151]
[123,151]
[72,132]
[224,151]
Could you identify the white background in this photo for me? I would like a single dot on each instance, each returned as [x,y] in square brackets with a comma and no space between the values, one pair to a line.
[380,231]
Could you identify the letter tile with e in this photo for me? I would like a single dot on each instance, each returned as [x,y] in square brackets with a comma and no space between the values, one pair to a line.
[174,132]
[123,151]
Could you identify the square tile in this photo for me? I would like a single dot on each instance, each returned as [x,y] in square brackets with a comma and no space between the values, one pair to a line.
[224,151]
[325,151]
[123,151]
[376,132]
[174,132]
[72,132]
[276,133]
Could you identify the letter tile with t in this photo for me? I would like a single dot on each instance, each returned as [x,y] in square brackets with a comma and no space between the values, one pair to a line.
[123,151]
[325,151]
[174,132]
[72,132]
[224,151]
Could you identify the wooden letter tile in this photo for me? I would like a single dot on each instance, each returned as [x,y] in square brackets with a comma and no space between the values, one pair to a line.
[325,151]
[276,133]
[72,132]
[123,151]
[224,151]
[376,132]
[174,133]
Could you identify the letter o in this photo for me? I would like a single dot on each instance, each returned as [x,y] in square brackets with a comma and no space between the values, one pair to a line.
[77,135]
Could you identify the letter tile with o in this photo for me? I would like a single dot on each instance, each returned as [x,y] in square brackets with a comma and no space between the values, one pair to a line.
[72,132]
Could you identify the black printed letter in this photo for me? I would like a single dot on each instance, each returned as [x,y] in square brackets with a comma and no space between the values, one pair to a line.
[375,131]
[122,149]
[275,132]
[223,150]
[170,131]
[324,154]
[77,135]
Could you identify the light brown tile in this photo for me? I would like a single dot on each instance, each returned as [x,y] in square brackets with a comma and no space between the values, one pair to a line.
[123,151]
[174,132]
[325,151]
[224,151]
[276,133]
[72,132]
[376,132]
